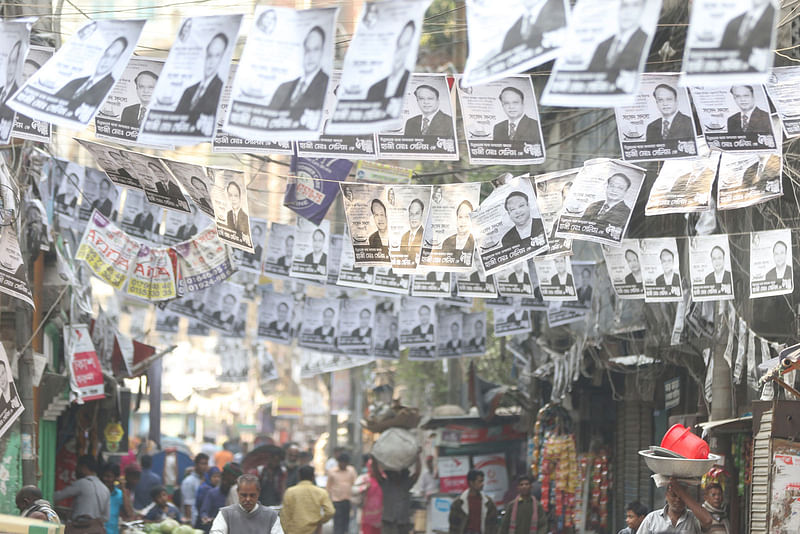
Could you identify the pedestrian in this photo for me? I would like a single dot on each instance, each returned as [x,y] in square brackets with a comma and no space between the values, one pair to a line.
[428,482]
[635,513]
[161,508]
[525,513]
[272,478]
[248,516]
[333,460]
[133,472]
[396,487]
[89,499]
[306,507]
[681,514]
[224,456]
[473,512]
[109,474]
[191,483]
[209,449]
[292,464]
[147,481]
[715,504]
[31,504]
[212,479]
[216,497]
[340,488]
[372,507]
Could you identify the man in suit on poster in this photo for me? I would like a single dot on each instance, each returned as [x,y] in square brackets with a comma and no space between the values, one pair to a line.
[224,315]
[285,261]
[478,340]
[411,241]
[432,120]
[145,82]
[668,278]
[751,31]
[237,219]
[7,114]
[720,278]
[393,86]
[326,330]
[562,278]
[539,19]
[517,126]
[621,52]
[518,208]
[281,324]
[103,203]
[750,117]
[672,124]
[84,95]
[613,210]
[316,257]
[424,328]
[782,270]
[364,330]
[201,99]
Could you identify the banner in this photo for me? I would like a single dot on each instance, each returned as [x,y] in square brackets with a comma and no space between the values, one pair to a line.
[661,270]
[108,251]
[85,375]
[14,38]
[24,126]
[771,270]
[313,186]
[551,193]
[710,268]
[10,404]
[448,243]
[13,277]
[625,269]
[152,276]
[204,261]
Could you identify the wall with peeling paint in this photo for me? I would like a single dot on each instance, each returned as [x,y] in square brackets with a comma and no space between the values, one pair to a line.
[10,470]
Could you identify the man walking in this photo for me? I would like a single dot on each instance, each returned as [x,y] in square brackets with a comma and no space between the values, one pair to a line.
[305,506]
[340,486]
[147,482]
[248,516]
[473,512]
[190,485]
[524,512]
[681,514]
[90,499]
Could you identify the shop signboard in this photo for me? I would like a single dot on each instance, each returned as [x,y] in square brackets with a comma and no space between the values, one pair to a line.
[453,473]
[495,472]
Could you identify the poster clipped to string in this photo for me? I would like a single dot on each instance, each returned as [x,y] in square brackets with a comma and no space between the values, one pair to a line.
[684,186]
[782,87]
[26,127]
[231,212]
[14,37]
[660,264]
[448,242]
[625,269]
[710,268]
[771,270]
[108,251]
[551,192]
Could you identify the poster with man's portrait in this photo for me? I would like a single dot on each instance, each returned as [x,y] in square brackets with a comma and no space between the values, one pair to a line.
[180,227]
[98,194]
[448,243]
[417,322]
[501,121]
[231,211]
[511,320]
[514,280]
[26,127]
[710,268]
[390,281]
[625,269]
[429,127]
[221,306]
[476,283]
[387,333]
[167,322]
[274,317]
[474,334]
[320,319]
[251,261]
[556,278]
[431,284]
[310,252]
[140,218]
[280,250]
[356,325]
[67,179]
[551,193]
[365,207]
[13,274]
[450,341]
[14,37]
[195,181]
[10,403]
[407,210]
[349,275]
[771,265]
[160,188]
[116,163]
[661,272]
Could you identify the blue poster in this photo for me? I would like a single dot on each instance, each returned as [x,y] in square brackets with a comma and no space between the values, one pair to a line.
[313,185]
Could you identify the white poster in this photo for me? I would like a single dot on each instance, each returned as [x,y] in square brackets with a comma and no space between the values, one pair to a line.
[310,251]
[771,265]
[448,243]
[661,269]
[710,268]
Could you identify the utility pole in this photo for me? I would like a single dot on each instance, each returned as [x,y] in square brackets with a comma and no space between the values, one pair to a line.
[25,366]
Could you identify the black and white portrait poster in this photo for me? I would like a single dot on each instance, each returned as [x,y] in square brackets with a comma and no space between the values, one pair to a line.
[449,342]
[14,37]
[407,208]
[197,328]
[160,187]
[335,242]
[274,317]
[390,281]
[583,272]
[432,284]
[735,118]
[604,53]
[280,249]
[10,404]
[140,218]
[417,322]
[24,126]
[320,317]
[229,196]
[501,121]
[356,325]
[349,274]
[625,269]
[474,334]
[361,147]
[69,89]
[98,194]
[190,305]
[310,252]
[167,321]
[729,41]
[556,278]
[448,243]
[783,88]
[514,280]
[476,284]
[387,333]
[267,370]
[183,110]
[67,178]
[195,182]
[511,320]
[771,266]
[422,353]
[429,127]
[283,75]
[251,261]
[377,67]
[116,163]
[551,193]
[749,179]
[180,227]
[123,111]
[658,125]
[507,225]
[520,36]
[366,210]
[13,277]
[234,361]
[660,264]
[604,193]
[221,306]
[684,186]
[710,268]
[560,313]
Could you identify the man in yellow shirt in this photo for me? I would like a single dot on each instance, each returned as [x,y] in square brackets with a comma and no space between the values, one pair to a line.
[305,506]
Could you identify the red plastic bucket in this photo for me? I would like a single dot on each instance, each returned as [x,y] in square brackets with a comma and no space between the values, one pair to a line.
[681,440]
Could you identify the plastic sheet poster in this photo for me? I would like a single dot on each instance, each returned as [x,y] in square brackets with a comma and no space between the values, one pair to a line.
[274,316]
[684,186]
[14,38]
[85,374]
[514,39]
[604,54]
[551,192]
[599,204]
[70,88]
[108,251]
[771,271]
[658,125]
[501,121]
[320,319]
[187,94]
[507,225]
[26,127]
[204,261]
[783,88]
[377,67]
[334,258]
[429,128]
[729,42]
[661,270]
[10,403]
[448,242]
[514,280]
[474,334]
[356,325]
[13,278]
[267,370]
[625,269]
[229,196]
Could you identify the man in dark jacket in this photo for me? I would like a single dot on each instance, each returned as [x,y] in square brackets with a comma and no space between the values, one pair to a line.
[473,512]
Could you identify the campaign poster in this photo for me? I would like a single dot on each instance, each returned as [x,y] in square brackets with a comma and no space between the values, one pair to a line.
[783,88]
[356,325]
[684,186]
[365,207]
[85,375]
[229,196]
[476,284]
[514,280]
[771,265]
[67,179]
[116,163]
[387,332]
[447,242]
[280,249]
[417,322]
[449,343]
[625,269]
[320,318]
[140,218]
[204,261]
[108,251]
[251,261]
[660,264]
[310,251]
[511,320]
[551,194]
[390,281]
[350,275]
[98,194]
[152,276]
[274,314]
[221,305]
[180,227]
[407,208]
[160,188]
[334,258]
[234,361]
[13,277]
[474,334]
[167,322]
[432,284]
[26,127]
[14,38]
[710,268]
[556,280]
[534,301]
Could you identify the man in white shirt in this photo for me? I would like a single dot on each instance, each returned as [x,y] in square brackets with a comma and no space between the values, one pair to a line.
[681,514]
[247,516]
[317,258]
[190,485]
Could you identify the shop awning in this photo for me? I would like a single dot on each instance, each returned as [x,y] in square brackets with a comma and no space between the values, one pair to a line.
[728,426]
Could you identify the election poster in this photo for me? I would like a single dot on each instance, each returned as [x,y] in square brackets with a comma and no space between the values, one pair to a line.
[334,258]
[449,343]
[280,249]
[115,163]
[658,124]
[604,54]
[514,280]
[600,201]
[356,325]
[167,322]
[448,243]
[160,188]
[390,281]
[559,313]
[507,225]
[501,121]
[310,251]
[771,265]
[422,353]
[313,185]
[98,194]
[536,301]
[220,307]
[684,186]
[186,96]
[251,261]
[521,36]
[474,337]
[229,196]
[140,218]
[274,314]
[234,361]
[406,209]
[377,67]
[67,178]
[108,251]
[432,284]
[511,320]
[203,262]
[379,173]
[428,130]
[13,277]
[387,339]
[267,370]
[661,271]
[273,100]
[556,280]
[365,207]
[710,268]
[179,227]
[26,127]
[417,322]
[320,318]
[70,87]
[14,38]
[349,274]
[625,269]
[783,88]
[551,193]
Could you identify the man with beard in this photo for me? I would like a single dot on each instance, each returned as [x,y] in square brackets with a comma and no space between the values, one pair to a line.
[411,241]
